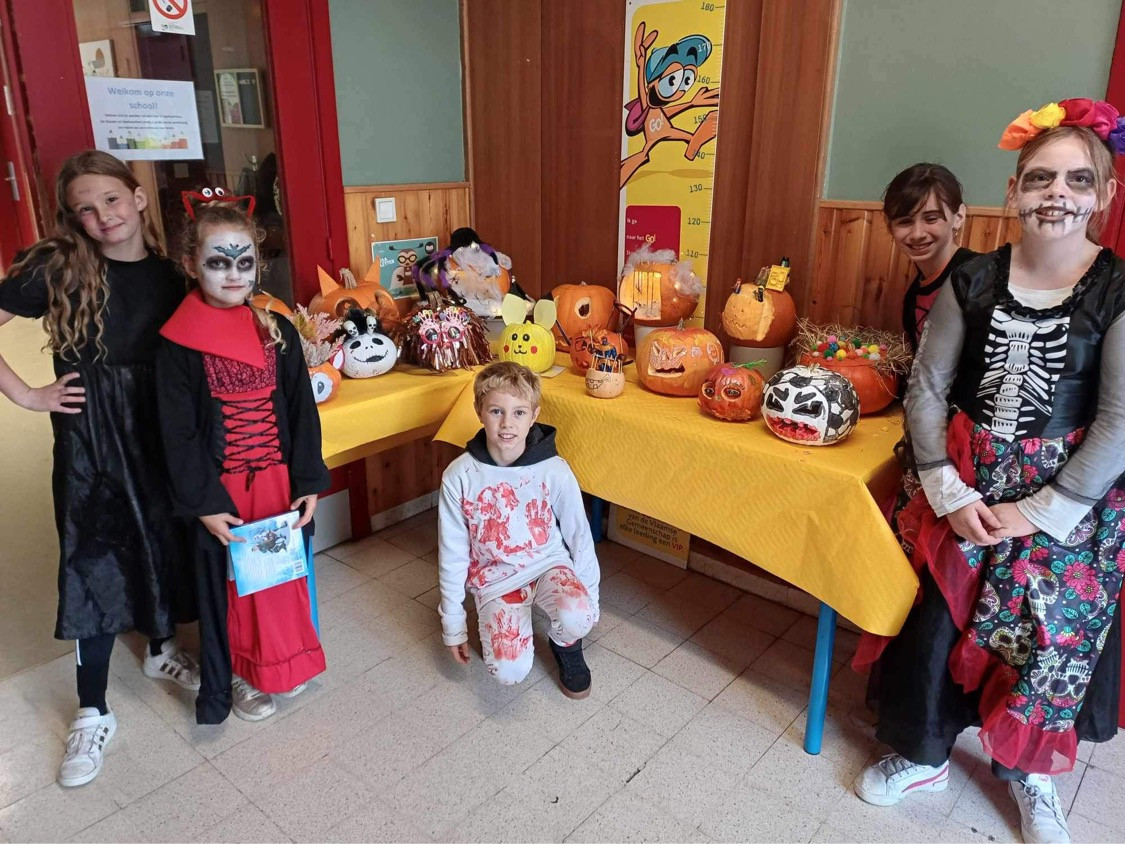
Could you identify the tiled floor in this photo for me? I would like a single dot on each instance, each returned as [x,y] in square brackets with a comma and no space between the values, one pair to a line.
[693,733]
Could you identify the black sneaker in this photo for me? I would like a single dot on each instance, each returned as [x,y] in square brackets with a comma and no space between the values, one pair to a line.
[574,674]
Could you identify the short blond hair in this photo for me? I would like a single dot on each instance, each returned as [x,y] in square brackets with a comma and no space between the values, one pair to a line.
[507,377]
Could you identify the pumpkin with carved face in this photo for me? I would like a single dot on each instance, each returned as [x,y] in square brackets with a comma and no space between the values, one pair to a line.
[758,317]
[810,405]
[596,341]
[675,361]
[581,307]
[732,392]
[336,299]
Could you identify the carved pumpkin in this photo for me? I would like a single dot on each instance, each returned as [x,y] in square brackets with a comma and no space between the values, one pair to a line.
[755,316]
[272,304]
[325,378]
[875,388]
[591,341]
[675,361]
[659,292]
[810,405]
[604,385]
[528,343]
[732,392]
[581,307]
[336,299]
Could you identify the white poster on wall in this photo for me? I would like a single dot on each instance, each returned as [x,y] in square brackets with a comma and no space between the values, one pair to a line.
[172,16]
[144,119]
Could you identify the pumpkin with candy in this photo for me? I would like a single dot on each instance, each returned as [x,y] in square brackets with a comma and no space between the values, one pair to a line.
[873,361]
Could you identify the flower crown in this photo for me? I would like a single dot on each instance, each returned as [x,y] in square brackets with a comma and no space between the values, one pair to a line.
[1100,117]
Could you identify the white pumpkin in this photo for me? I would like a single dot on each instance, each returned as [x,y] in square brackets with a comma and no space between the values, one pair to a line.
[810,405]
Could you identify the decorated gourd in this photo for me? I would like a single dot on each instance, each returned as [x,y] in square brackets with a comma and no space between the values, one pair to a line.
[876,389]
[872,360]
[732,392]
[675,361]
[528,343]
[442,337]
[325,378]
[658,289]
[336,300]
[581,307]
[596,341]
[759,317]
[810,405]
[367,350]
[604,385]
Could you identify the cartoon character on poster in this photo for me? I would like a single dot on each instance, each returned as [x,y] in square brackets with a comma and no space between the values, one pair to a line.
[665,76]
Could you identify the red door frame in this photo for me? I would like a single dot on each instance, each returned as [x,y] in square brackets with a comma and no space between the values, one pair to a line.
[299,42]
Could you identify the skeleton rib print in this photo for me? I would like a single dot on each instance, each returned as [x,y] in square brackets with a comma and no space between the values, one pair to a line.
[1024,359]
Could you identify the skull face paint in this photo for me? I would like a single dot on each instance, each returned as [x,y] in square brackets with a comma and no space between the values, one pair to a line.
[226,266]
[809,405]
[1056,192]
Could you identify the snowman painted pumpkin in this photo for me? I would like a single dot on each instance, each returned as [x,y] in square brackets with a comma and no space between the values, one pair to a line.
[810,405]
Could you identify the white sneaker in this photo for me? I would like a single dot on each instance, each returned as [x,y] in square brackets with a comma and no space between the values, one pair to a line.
[893,778]
[173,664]
[293,692]
[89,734]
[1041,816]
[249,704]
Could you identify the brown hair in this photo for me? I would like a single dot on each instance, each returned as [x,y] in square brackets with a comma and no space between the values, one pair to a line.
[74,265]
[507,377]
[1100,157]
[228,215]
[913,186]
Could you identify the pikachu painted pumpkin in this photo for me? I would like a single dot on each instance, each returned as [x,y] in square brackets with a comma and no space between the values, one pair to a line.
[528,343]
[675,361]
[581,307]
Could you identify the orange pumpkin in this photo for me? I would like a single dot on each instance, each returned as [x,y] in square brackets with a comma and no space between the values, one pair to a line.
[325,380]
[580,307]
[583,347]
[335,299]
[503,281]
[656,295]
[875,389]
[272,304]
[755,316]
[675,361]
[732,392]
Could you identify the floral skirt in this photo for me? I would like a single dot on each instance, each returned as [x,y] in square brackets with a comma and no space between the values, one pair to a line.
[1033,612]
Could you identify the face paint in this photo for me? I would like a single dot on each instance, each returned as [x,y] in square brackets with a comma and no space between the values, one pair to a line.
[226,266]
[1056,194]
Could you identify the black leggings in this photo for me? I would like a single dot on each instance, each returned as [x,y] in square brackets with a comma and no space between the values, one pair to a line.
[93,668]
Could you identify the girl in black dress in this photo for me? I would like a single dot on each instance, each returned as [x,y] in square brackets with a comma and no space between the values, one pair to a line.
[103,289]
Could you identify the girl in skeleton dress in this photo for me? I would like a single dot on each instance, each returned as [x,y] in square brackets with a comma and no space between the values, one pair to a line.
[1014,517]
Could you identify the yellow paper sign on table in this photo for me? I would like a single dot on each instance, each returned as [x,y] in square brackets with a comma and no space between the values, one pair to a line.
[644,533]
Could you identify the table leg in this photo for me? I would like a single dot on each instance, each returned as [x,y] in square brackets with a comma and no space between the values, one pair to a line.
[597,510]
[822,670]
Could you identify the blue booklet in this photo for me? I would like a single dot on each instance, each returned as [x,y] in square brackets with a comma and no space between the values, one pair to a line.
[273,553]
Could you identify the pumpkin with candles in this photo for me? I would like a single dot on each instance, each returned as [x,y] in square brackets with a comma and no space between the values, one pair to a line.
[732,392]
[581,307]
[658,289]
[675,361]
[759,317]
[591,342]
[337,299]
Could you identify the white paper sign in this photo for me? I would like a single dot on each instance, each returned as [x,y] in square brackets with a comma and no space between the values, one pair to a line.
[172,16]
[144,119]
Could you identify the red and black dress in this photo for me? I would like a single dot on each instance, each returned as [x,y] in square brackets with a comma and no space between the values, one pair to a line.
[242,435]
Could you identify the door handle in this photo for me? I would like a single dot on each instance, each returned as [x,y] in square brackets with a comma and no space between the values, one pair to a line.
[13,181]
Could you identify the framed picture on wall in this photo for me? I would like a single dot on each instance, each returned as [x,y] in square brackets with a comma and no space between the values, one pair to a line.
[240,98]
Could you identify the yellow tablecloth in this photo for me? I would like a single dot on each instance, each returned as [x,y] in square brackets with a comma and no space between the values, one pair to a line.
[408,400]
[805,514]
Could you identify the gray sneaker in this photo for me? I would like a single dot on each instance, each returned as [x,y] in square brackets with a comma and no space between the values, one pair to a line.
[89,734]
[249,703]
[1041,816]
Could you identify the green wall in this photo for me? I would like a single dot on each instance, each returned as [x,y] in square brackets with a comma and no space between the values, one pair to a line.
[397,65]
[938,80]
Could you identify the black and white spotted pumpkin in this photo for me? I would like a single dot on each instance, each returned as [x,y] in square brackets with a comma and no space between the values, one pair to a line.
[810,405]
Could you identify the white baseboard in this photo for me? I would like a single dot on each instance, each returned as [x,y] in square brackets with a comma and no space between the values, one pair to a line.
[333,520]
[404,511]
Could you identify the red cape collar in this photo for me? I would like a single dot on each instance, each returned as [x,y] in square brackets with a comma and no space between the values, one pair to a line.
[226,332]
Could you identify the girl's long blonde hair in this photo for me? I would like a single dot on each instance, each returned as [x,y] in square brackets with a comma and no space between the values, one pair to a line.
[74,265]
[229,215]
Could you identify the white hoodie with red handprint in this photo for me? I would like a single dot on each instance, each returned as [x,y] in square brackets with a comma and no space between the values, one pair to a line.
[501,527]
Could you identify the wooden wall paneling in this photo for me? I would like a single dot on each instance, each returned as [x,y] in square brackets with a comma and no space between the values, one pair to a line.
[737,102]
[880,289]
[824,264]
[792,92]
[583,54]
[503,74]
[406,472]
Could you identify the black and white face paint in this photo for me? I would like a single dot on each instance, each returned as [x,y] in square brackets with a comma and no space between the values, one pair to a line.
[1056,194]
[227,266]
